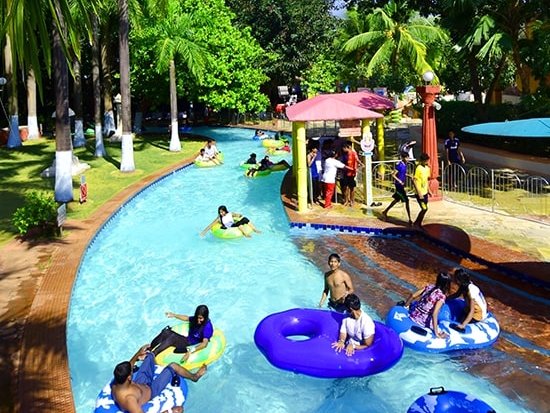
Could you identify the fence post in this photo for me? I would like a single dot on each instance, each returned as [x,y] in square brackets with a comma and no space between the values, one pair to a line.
[493,188]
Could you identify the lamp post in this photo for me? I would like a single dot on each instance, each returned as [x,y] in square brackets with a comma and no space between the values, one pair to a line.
[428,93]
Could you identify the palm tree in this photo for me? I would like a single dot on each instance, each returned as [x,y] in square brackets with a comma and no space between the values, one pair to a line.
[96,58]
[79,139]
[127,161]
[32,120]
[394,34]
[490,45]
[32,44]
[14,140]
[176,42]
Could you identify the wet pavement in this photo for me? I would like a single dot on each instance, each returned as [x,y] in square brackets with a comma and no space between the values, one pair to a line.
[508,257]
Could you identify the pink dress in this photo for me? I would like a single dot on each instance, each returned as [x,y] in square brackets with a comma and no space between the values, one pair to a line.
[421,311]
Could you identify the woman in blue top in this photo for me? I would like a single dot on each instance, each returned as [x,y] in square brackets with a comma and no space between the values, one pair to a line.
[200,332]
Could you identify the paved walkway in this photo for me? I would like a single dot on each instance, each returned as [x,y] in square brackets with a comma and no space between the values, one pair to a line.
[36,282]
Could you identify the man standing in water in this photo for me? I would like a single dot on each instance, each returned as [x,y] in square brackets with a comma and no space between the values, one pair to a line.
[337,285]
[130,394]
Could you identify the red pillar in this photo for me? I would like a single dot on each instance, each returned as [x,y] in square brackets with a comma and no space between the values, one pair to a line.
[429,135]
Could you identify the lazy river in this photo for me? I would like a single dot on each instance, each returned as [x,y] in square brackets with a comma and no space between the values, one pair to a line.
[149,259]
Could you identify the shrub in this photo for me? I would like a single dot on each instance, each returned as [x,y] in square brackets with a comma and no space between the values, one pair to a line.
[38,213]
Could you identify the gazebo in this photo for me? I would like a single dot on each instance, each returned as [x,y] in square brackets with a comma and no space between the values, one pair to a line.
[338,107]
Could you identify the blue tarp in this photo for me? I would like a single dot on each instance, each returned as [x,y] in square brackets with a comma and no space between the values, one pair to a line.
[525,128]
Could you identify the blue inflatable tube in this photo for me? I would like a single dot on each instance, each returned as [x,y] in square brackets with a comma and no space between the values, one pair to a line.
[310,351]
[439,400]
[171,396]
[475,335]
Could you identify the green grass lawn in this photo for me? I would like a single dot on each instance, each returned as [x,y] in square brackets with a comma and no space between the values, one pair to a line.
[20,172]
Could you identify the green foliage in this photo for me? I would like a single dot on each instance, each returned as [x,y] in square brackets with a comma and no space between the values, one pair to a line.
[322,76]
[536,105]
[237,69]
[399,42]
[455,115]
[295,32]
[236,66]
[38,212]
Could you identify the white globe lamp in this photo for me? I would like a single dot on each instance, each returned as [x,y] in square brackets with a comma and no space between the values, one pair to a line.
[428,76]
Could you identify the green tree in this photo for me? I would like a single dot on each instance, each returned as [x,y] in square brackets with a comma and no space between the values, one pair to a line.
[27,24]
[295,32]
[127,163]
[234,78]
[398,35]
[175,36]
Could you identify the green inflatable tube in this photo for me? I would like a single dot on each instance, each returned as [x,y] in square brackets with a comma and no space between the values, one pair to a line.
[229,233]
[249,165]
[208,164]
[258,174]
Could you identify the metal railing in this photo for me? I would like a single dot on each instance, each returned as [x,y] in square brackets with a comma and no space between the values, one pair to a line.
[502,191]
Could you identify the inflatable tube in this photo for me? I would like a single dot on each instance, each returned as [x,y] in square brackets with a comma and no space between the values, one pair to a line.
[278,167]
[207,355]
[249,165]
[273,143]
[314,355]
[257,174]
[170,397]
[276,152]
[209,164]
[439,400]
[475,335]
[229,233]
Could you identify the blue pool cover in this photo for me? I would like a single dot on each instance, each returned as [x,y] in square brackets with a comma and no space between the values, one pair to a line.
[525,128]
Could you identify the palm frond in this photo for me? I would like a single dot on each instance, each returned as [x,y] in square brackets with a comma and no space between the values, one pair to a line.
[362,40]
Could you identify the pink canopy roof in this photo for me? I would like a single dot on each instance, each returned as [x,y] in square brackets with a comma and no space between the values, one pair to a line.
[339,106]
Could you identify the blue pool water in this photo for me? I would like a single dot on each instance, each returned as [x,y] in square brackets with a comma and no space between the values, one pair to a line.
[150,259]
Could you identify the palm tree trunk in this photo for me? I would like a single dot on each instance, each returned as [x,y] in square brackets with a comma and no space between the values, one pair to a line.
[14,140]
[96,58]
[63,144]
[175,144]
[108,116]
[32,120]
[474,77]
[496,81]
[127,161]
[79,139]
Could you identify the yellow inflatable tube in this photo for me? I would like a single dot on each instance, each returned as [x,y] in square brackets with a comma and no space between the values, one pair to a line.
[207,355]
[273,143]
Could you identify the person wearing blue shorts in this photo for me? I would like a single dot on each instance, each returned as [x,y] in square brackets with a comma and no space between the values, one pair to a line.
[400,195]
[131,393]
